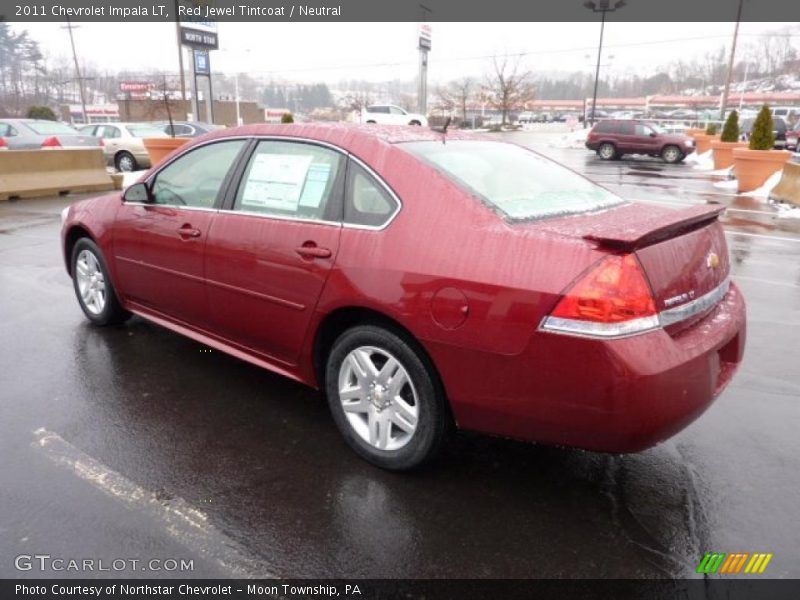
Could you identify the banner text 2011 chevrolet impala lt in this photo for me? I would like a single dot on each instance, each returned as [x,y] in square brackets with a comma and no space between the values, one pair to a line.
[422,283]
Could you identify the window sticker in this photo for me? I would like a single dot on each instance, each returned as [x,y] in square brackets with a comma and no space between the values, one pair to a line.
[316,183]
[276,181]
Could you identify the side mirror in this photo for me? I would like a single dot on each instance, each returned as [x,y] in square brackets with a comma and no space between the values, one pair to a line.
[138,192]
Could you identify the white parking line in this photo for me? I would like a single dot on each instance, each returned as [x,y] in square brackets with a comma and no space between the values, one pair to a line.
[184,523]
[778,238]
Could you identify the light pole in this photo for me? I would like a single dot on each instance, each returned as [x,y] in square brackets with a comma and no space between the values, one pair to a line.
[79,78]
[724,100]
[601,6]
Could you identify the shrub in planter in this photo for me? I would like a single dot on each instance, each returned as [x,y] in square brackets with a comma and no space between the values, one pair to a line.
[287,118]
[723,149]
[42,112]
[730,132]
[762,136]
[755,164]
[711,129]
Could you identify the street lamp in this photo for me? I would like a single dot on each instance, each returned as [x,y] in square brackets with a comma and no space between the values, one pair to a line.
[601,6]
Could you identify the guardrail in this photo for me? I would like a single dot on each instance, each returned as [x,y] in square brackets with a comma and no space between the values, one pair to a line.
[36,173]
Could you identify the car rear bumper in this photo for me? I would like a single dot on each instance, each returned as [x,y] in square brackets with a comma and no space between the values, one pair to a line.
[621,395]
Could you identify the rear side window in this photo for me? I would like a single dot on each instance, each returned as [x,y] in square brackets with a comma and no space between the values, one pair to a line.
[605,127]
[367,202]
[290,179]
[627,128]
[518,183]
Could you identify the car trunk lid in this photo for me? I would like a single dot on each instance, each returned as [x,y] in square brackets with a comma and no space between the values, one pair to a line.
[683,252]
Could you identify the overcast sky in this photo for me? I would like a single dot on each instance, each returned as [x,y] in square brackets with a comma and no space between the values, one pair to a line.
[380,51]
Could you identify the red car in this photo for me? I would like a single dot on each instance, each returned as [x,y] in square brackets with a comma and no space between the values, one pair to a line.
[422,283]
[612,139]
[792,137]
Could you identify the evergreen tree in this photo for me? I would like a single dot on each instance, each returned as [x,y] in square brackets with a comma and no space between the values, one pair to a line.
[762,136]
[730,132]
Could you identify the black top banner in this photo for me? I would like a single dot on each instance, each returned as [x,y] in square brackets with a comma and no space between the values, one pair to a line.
[786,11]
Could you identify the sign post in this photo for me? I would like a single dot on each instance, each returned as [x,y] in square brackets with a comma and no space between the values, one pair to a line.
[424,48]
[201,37]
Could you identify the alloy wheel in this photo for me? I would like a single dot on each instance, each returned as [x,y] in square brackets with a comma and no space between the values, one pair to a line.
[378,398]
[91,282]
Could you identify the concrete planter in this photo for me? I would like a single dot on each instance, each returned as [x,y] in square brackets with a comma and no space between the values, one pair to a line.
[160,148]
[754,167]
[723,153]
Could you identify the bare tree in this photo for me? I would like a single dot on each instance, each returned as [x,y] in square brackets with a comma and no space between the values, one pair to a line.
[355,102]
[509,85]
[457,94]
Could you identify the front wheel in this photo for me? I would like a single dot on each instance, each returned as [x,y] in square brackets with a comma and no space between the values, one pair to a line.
[416,123]
[93,288]
[385,398]
[672,154]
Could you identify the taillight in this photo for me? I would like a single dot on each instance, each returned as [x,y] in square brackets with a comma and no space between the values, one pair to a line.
[3,143]
[51,142]
[613,299]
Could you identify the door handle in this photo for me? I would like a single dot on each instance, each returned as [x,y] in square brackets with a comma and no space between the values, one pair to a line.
[311,250]
[187,231]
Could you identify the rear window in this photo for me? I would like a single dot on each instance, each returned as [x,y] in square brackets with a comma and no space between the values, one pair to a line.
[515,181]
[50,128]
[146,131]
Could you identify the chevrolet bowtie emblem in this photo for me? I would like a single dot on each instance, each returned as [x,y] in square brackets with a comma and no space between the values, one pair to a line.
[712,260]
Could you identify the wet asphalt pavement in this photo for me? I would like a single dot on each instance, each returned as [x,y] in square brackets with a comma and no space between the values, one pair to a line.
[136,443]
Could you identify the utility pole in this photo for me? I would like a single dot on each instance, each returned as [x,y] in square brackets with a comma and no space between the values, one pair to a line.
[69,27]
[724,100]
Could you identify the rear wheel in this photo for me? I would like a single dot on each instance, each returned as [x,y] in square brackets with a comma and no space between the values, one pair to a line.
[415,122]
[385,399]
[671,154]
[607,151]
[93,288]
[125,162]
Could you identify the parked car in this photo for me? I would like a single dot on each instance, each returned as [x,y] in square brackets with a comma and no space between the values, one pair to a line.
[188,129]
[388,114]
[779,130]
[123,143]
[540,306]
[30,134]
[792,138]
[614,138]
[787,113]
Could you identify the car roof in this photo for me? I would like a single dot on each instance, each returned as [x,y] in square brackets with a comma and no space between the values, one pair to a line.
[344,135]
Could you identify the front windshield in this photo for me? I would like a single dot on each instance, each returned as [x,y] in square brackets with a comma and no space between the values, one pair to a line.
[521,184]
[50,128]
[657,128]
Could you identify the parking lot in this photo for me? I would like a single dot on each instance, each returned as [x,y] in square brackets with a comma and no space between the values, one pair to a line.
[136,443]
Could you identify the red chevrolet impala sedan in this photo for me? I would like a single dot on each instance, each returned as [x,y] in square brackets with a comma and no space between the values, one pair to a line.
[423,282]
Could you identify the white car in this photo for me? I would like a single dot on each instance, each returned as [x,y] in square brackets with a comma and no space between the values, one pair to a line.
[388,114]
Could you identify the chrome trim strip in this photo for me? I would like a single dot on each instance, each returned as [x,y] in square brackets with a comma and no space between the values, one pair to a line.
[699,305]
[600,330]
[286,138]
[636,326]
[249,213]
[180,206]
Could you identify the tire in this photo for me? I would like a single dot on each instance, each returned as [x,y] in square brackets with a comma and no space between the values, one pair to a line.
[371,123]
[125,162]
[607,151]
[396,429]
[416,123]
[92,285]
[671,154]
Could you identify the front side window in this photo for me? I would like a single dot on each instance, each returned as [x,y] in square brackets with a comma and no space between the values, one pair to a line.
[195,179]
[145,131]
[517,182]
[396,111]
[7,130]
[366,201]
[109,132]
[290,179]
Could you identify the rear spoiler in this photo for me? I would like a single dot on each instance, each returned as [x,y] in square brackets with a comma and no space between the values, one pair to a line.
[630,234]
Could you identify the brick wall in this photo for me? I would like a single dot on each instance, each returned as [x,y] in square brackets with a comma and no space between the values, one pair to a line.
[155,110]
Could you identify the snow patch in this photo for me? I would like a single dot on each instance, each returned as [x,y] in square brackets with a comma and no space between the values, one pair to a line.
[730,184]
[787,211]
[701,162]
[573,139]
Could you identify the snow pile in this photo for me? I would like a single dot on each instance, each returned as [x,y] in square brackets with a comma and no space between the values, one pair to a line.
[701,162]
[573,139]
[764,190]
[728,185]
[787,211]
